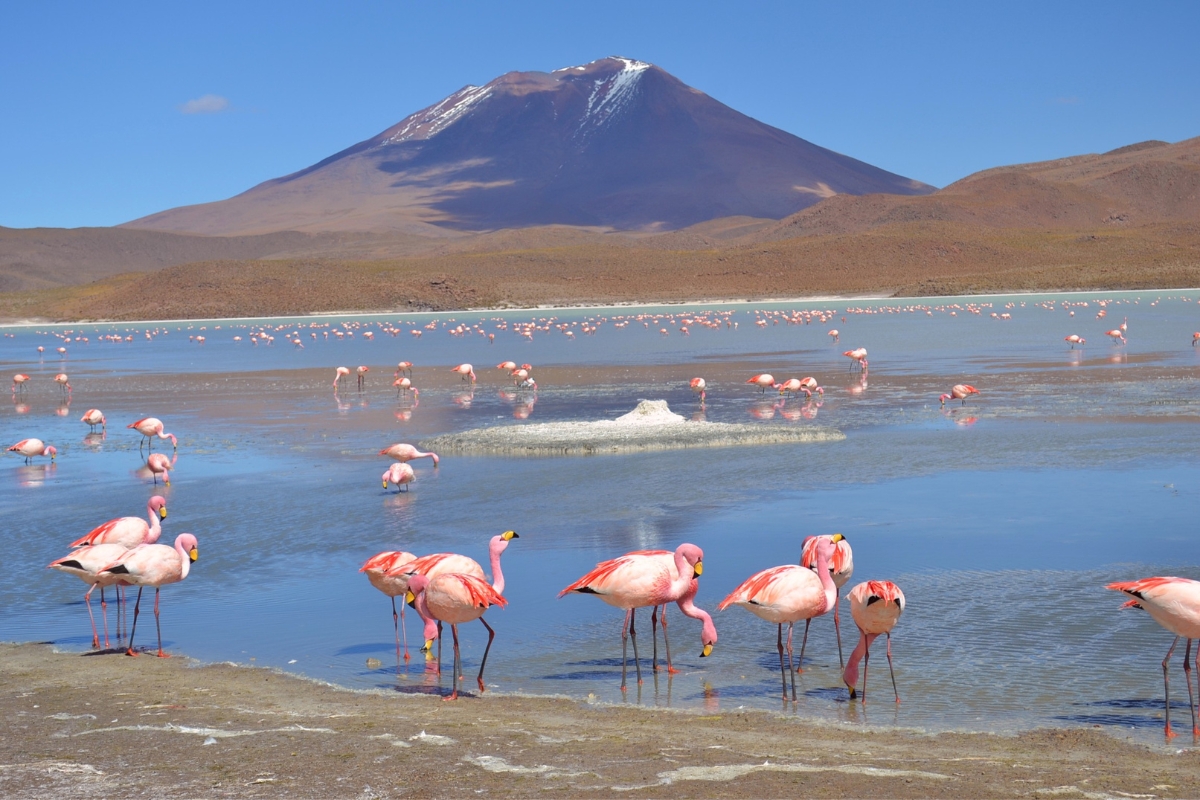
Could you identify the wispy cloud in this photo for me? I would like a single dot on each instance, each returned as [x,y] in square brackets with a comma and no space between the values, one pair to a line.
[207,104]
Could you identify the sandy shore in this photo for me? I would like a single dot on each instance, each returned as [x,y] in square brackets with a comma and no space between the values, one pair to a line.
[103,725]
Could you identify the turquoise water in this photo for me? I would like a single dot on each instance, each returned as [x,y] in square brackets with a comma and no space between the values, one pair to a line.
[1001,520]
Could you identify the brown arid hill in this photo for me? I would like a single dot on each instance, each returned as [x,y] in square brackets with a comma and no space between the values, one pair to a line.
[1125,219]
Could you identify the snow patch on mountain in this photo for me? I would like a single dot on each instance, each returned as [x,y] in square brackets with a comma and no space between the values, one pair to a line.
[433,120]
[612,94]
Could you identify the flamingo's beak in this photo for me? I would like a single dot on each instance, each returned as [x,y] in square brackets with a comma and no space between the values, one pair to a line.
[699,569]
[162,513]
[707,651]
[409,597]
[385,484]
[509,536]
[193,554]
[428,646]
[837,537]
[853,694]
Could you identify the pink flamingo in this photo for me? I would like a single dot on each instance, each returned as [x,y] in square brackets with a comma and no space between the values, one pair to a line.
[149,427]
[961,391]
[699,387]
[158,464]
[857,356]
[154,565]
[403,366]
[128,532]
[1117,335]
[837,337]
[876,607]
[1075,339]
[1173,603]
[399,474]
[62,381]
[402,385]
[1195,338]
[19,381]
[788,594]
[406,452]
[841,567]
[338,374]
[763,381]
[466,371]
[454,598]
[94,417]
[638,579]
[507,366]
[362,376]
[791,386]
[86,564]
[31,448]
[393,586]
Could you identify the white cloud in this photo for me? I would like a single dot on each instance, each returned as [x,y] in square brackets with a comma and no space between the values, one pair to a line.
[208,104]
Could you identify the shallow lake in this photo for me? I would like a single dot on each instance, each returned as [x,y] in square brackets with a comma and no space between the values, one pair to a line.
[1002,520]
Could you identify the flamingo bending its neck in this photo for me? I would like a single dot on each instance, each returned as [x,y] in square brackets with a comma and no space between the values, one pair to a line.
[876,607]
[158,464]
[94,417]
[399,474]
[466,371]
[406,452]
[961,391]
[393,586]
[19,381]
[149,427]
[31,448]
[841,567]
[763,381]
[699,387]
[338,374]
[454,598]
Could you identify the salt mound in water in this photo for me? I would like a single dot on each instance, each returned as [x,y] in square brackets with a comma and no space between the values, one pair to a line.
[650,426]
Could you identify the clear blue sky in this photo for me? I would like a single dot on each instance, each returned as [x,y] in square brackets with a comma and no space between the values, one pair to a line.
[93,129]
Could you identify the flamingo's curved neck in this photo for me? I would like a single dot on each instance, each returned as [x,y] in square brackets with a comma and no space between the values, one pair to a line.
[850,676]
[495,549]
[431,631]
[826,580]
[685,573]
[185,561]
[689,609]
[155,526]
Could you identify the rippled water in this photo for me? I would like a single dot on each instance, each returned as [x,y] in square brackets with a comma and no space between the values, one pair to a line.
[1001,520]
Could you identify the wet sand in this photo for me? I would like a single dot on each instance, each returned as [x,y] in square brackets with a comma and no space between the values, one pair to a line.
[101,725]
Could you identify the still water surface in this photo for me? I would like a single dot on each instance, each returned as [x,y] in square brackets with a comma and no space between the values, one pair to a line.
[1001,520]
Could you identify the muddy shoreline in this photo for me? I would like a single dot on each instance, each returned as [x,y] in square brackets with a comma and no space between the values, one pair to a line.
[97,725]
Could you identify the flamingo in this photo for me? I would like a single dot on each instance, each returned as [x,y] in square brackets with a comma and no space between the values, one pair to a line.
[31,448]
[399,474]
[837,337]
[128,532]
[158,464]
[377,567]
[809,384]
[841,567]
[19,381]
[1173,603]
[507,366]
[402,385]
[149,427]
[643,578]
[454,598]
[465,370]
[403,366]
[788,594]
[86,564]
[763,381]
[699,387]
[1117,335]
[1124,325]
[63,384]
[876,607]
[338,374]
[154,565]
[857,356]
[362,376]
[94,417]
[791,386]
[960,391]
[1195,338]
[1075,339]
[406,452]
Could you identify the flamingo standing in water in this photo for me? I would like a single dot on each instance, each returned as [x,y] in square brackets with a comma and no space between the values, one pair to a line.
[643,578]
[158,464]
[791,386]
[876,607]
[402,385]
[149,427]
[399,474]
[406,452]
[1117,335]
[63,382]
[960,391]
[789,593]
[19,381]
[466,371]
[128,532]
[94,417]
[402,367]
[841,567]
[837,336]
[507,366]
[1075,339]
[31,448]
[1195,338]
[763,381]
[154,565]
[454,598]
[699,387]
[338,374]
[1173,603]
[393,586]
[86,563]
[362,376]
[857,356]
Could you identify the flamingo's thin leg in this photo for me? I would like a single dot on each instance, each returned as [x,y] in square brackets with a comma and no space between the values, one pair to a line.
[161,654]
[667,641]
[1167,687]
[624,647]
[403,631]
[133,628]
[637,664]
[654,638]
[837,627]
[890,670]
[1187,678]
[104,616]
[454,669]
[866,663]
[791,666]
[396,627]
[779,646]
[482,664]
[87,598]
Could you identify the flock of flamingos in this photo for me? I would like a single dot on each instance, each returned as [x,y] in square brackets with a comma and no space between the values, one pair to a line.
[452,589]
